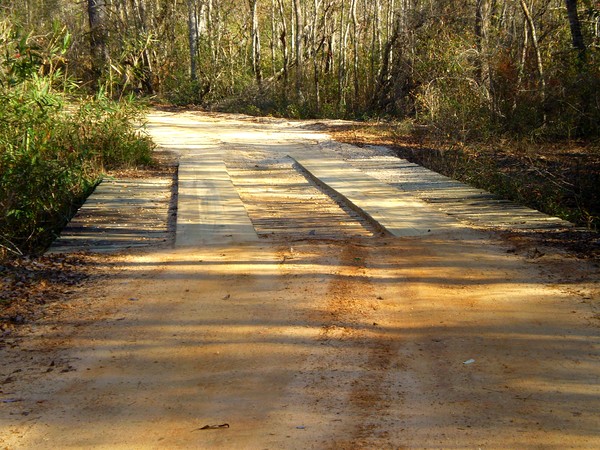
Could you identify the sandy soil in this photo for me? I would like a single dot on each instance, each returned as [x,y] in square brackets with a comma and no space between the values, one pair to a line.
[446,341]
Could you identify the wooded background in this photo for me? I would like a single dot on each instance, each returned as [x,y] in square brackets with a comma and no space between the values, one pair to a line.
[469,69]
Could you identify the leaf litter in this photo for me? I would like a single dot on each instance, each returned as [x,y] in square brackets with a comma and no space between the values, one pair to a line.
[29,284]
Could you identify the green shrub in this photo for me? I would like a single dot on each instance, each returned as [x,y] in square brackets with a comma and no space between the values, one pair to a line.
[53,145]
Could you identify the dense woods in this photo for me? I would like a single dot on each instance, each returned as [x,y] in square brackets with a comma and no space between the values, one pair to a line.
[466,69]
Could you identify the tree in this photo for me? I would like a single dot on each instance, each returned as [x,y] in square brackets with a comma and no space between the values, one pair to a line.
[255,36]
[481,36]
[536,45]
[439,61]
[299,38]
[575,26]
[97,20]
[193,39]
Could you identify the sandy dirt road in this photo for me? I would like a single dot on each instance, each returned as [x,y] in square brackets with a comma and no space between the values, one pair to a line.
[320,334]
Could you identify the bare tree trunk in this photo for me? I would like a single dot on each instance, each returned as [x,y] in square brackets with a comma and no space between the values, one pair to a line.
[376,48]
[481,32]
[392,25]
[383,80]
[273,39]
[299,49]
[315,49]
[378,27]
[211,28]
[536,46]
[122,12]
[284,45]
[256,61]
[355,50]
[98,48]
[139,8]
[193,39]
[331,42]
[522,61]
[344,30]
[575,25]
[390,18]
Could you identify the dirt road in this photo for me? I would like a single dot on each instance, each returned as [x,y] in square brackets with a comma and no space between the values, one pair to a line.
[321,333]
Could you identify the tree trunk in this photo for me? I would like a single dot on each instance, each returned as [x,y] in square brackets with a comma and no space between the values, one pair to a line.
[355,50]
[273,34]
[342,59]
[256,62]
[146,79]
[481,32]
[97,21]
[382,86]
[210,25]
[576,35]
[376,48]
[193,38]
[298,47]
[536,47]
[284,45]
[315,50]
[522,61]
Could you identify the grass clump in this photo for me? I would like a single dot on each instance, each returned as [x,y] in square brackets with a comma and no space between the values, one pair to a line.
[55,142]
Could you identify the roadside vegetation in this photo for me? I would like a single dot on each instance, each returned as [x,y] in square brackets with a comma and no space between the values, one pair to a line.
[56,141]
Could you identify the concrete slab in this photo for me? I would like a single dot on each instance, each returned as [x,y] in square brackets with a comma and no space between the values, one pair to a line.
[397,212]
